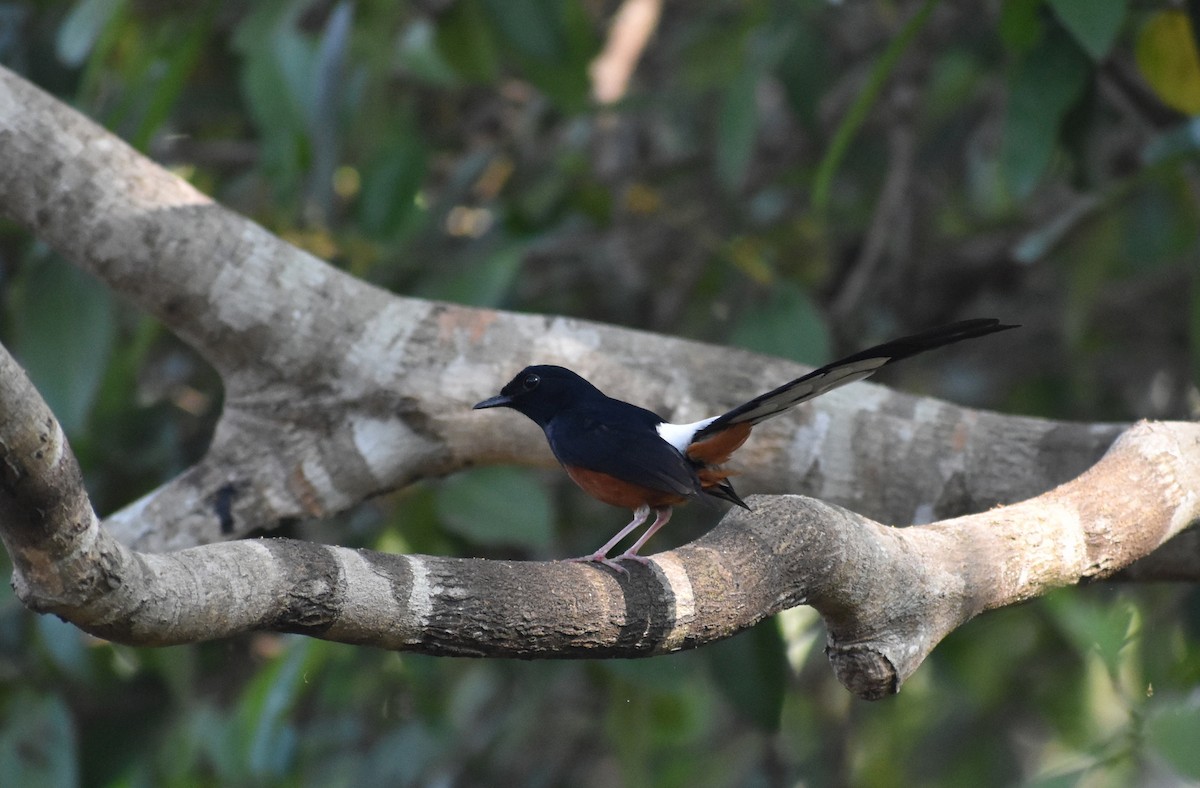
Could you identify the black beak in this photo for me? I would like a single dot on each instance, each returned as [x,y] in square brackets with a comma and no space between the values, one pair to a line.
[498,401]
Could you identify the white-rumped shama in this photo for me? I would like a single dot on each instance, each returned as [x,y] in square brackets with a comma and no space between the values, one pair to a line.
[628,456]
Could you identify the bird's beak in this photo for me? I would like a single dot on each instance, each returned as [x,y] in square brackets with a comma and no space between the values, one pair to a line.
[498,401]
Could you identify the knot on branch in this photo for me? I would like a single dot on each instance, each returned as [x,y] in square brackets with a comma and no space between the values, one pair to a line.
[864,670]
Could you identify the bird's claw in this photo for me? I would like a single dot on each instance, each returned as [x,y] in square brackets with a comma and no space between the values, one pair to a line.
[600,558]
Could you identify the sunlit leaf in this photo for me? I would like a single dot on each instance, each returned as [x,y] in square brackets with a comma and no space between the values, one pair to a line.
[497,506]
[1166,56]
[1093,23]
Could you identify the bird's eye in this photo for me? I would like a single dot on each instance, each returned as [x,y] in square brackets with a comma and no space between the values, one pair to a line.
[530,382]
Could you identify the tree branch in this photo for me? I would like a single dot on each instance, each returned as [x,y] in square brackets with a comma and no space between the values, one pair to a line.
[336,390]
[887,595]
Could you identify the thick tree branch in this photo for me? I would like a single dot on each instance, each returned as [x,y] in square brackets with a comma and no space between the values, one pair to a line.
[337,390]
[888,595]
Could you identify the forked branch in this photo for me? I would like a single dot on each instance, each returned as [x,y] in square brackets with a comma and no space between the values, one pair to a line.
[888,595]
[336,390]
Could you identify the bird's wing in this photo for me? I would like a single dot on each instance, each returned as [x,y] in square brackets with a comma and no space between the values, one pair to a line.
[847,370]
[630,451]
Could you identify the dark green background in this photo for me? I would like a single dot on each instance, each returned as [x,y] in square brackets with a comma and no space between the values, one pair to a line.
[798,178]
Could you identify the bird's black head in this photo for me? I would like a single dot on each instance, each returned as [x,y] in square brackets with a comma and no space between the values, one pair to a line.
[541,392]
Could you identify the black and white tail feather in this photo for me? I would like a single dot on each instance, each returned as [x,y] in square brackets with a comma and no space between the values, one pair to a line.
[839,373]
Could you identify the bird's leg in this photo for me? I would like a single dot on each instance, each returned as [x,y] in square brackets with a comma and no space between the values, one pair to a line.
[664,514]
[601,556]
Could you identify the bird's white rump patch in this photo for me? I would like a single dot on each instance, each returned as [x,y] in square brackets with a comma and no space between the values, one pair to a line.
[680,435]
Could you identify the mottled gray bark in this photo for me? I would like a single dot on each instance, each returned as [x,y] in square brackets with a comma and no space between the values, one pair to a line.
[336,390]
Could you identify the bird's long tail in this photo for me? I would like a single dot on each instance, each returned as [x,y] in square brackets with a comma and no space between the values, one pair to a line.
[847,370]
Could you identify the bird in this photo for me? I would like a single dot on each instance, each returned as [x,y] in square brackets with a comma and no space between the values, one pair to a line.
[631,457]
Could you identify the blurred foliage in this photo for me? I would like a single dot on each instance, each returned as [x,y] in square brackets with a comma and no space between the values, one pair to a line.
[796,177]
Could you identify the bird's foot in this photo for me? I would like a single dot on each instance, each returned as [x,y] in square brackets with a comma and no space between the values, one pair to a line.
[628,556]
[601,558]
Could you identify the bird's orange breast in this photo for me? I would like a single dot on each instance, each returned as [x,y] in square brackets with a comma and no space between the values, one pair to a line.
[619,492]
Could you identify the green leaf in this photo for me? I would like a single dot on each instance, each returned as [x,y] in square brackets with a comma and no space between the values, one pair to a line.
[263,734]
[278,64]
[65,329]
[1166,56]
[82,29]
[952,85]
[737,129]
[485,282]
[1021,24]
[1160,223]
[530,26]
[1045,85]
[788,325]
[37,742]
[418,54]
[391,184]
[164,87]
[751,670]
[553,43]
[1105,628]
[1172,730]
[497,506]
[1093,23]
[849,126]
[805,74]
[466,42]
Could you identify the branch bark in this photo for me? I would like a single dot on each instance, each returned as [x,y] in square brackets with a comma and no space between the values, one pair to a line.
[336,390]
